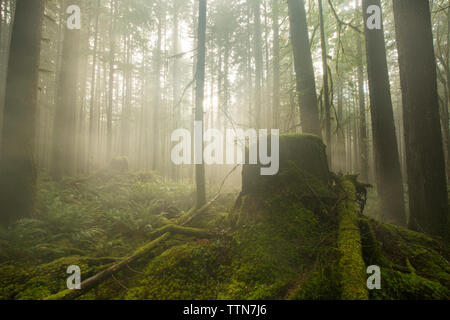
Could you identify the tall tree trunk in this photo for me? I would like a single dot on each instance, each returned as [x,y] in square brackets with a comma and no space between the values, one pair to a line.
[157,100]
[4,46]
[63,153]
[175,78]
[17,166]
[125,116]
[363,143]
[199,97]
[326,90]
[258,61]
[81,148]
[93,86]
[306,86]
[387,162]
[112,50]
[249,68]
[427,185]
[340,148]
[276,66]
[446,124]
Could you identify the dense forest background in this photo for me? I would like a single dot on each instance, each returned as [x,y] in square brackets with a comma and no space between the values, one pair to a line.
[80,105]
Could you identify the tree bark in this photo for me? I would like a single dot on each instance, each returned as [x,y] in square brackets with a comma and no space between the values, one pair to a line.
[386,156]
[125,116]
[363,153]
[326,90]
[427,185]
[258,62]
[157,100]
[109,112]
[340,148]
[17,166]
[93,84]
[306,86]
[276,66]
[199,97]
[63,154]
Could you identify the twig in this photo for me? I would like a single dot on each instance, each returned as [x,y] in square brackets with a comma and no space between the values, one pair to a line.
[120,283]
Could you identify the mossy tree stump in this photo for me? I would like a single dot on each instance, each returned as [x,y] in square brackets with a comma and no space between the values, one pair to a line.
[297,153]
[303,172]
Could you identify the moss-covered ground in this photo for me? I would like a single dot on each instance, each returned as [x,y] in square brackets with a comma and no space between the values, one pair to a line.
[297,235]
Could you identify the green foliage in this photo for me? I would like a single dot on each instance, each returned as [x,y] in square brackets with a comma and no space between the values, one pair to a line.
[414,266]
[323,284]
[97,215]
[305,241]
[193,270]
[396,285]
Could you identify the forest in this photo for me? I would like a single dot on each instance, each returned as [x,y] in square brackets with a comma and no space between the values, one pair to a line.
[224,150]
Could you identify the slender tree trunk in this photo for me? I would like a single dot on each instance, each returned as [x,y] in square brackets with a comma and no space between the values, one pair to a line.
[249,68]
[349,140]
[258,61]
[17,166]
[199,97]
[63,154]
[326,89]
[363,154]
[341,154]
[386,155]
[446,123]
[157,101]
[81,148]
[175,78]
[267,105]
[125,117]
[427,185]
[93,86]
[276,66]
[4,46]
[306,86]
[112,50]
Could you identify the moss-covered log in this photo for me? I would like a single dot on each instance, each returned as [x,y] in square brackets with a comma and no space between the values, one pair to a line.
[187,231]
[413,265]
[96,279]
[351,263]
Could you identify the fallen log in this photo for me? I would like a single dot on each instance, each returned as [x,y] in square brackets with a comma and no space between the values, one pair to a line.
[351,264]
[96,279]
[188,231]
[160,235]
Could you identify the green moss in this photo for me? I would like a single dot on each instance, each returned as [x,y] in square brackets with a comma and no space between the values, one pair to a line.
[51,278]
[190,271]
[413,265]
[290,236]
[12,280]
[324,284]
[303,154]
[396,285]
[351,263]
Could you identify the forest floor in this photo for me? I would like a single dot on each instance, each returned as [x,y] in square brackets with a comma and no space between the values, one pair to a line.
[308,240]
